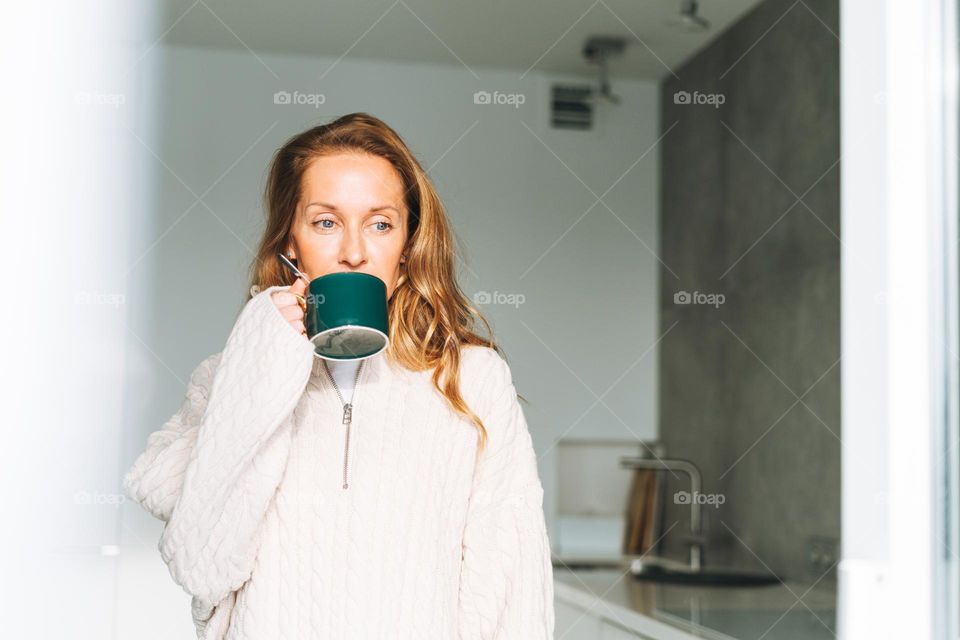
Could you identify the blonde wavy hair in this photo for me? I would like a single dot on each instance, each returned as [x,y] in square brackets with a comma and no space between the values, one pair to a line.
[429,316]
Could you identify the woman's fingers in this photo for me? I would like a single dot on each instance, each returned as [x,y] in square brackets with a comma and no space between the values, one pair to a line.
[285,299]
[298,286]
[292,312]
[297,291]
[289,305]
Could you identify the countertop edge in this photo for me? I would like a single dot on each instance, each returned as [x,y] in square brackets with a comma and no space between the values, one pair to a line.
[628,618]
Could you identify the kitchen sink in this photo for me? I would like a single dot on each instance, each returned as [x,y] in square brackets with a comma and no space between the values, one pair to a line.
[709,576]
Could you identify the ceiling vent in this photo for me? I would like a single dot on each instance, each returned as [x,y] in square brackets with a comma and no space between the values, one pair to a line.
[571,107]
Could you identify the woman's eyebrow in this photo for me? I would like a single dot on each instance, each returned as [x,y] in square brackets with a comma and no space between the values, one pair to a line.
[334,208]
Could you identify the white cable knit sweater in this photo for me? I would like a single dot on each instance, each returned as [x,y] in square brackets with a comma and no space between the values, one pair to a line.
[248,477]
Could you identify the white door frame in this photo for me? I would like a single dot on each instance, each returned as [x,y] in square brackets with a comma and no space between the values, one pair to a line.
[899,303]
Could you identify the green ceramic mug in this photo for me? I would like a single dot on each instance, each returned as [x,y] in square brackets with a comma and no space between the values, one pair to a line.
[346,316]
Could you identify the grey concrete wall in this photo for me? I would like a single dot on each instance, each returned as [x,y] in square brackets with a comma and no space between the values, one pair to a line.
[750,204]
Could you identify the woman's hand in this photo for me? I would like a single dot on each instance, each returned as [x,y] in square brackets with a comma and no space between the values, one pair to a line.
[289,305]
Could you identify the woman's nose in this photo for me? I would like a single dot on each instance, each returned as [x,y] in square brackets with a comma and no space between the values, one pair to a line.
[352,251]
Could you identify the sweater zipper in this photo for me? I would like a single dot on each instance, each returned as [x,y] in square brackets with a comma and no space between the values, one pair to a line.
[347,417]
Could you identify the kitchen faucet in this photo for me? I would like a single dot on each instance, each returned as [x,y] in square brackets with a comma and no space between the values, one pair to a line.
[686,466]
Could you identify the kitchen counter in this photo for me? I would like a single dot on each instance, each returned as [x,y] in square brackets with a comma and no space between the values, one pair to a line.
[645,609]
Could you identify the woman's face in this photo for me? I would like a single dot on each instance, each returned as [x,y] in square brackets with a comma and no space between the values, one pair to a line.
[352,217]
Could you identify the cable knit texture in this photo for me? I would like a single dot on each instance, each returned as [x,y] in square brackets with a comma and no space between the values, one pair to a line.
[425,542]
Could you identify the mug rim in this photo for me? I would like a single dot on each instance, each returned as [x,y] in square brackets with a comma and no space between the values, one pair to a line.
[386,342]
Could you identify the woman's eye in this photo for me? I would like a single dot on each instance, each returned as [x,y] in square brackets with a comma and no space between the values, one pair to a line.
[383,225]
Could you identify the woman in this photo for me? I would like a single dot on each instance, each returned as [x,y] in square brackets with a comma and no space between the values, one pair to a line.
[300,505]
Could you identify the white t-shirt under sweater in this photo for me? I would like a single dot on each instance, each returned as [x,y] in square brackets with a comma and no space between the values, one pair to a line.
[425,540]
[345,373]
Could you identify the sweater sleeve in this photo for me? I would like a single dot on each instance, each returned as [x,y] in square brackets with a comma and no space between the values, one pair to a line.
[506,578]
[211,471]
[156,477]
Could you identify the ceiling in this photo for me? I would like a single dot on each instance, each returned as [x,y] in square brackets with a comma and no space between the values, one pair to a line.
[543,35]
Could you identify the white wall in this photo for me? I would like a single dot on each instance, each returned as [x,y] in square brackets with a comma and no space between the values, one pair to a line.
[590,296]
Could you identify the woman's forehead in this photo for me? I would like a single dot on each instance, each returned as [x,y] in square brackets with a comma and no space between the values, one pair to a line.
[352,180]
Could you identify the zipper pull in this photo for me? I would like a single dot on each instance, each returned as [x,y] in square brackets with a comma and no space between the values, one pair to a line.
[347,413]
